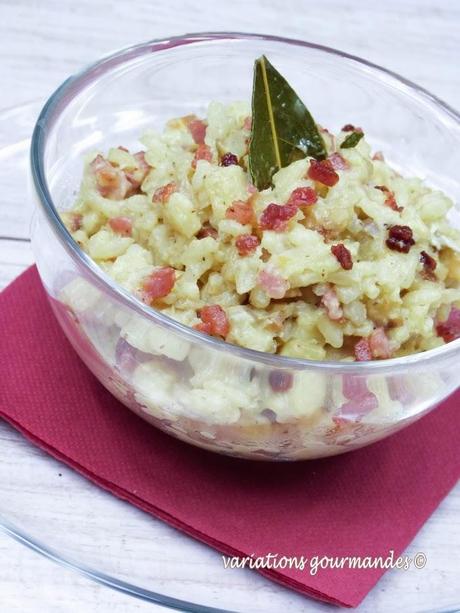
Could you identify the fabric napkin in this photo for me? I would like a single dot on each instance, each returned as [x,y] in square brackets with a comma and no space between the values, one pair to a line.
[364,503]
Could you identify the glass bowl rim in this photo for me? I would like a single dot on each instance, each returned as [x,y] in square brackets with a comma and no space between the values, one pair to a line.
[76,83]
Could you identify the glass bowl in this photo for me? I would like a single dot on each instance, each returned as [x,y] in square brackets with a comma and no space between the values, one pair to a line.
[195,387]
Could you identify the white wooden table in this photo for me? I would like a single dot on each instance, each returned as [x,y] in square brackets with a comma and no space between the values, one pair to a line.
[42,43]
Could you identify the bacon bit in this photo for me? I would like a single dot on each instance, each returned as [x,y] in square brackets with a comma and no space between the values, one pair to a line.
[399,389]
[338,162]
[275,217]
[163,193]
[390,199]
[159,283]
[351,128]
[247,124]
[141,163]
[354,386]
[207,230]
[273,284]
[137,176]
[303,196]
[357,408]
[111,182]
[400,238]
[197,129]
[100,163]
[343,256]
[229,159]
[379,344]
[127,357]
[206,328]
[449,330]
[280,381]
[124,356]
[332,305]
[429,263]
[363,350]
[378,155]
[323,172]
[75,222]
[203,152]
[214,321]
[241,211]
[121,225]
[360,400]
[121,148]
[246,244]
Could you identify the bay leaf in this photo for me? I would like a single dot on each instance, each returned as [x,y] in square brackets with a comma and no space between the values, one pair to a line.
[282,130]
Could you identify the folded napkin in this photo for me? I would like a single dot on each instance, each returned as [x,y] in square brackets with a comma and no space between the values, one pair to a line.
[364,503]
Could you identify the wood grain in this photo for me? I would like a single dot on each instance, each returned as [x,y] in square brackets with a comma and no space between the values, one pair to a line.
[41,44]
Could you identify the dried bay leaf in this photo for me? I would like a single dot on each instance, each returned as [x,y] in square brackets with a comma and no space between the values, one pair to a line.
[283,129]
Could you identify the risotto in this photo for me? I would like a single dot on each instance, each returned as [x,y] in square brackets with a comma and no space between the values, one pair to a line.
[341,259]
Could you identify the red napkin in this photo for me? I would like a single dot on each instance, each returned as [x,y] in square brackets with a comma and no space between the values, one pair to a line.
[364,503]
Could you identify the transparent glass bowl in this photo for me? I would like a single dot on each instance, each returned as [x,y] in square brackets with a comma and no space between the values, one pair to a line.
[197,388]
